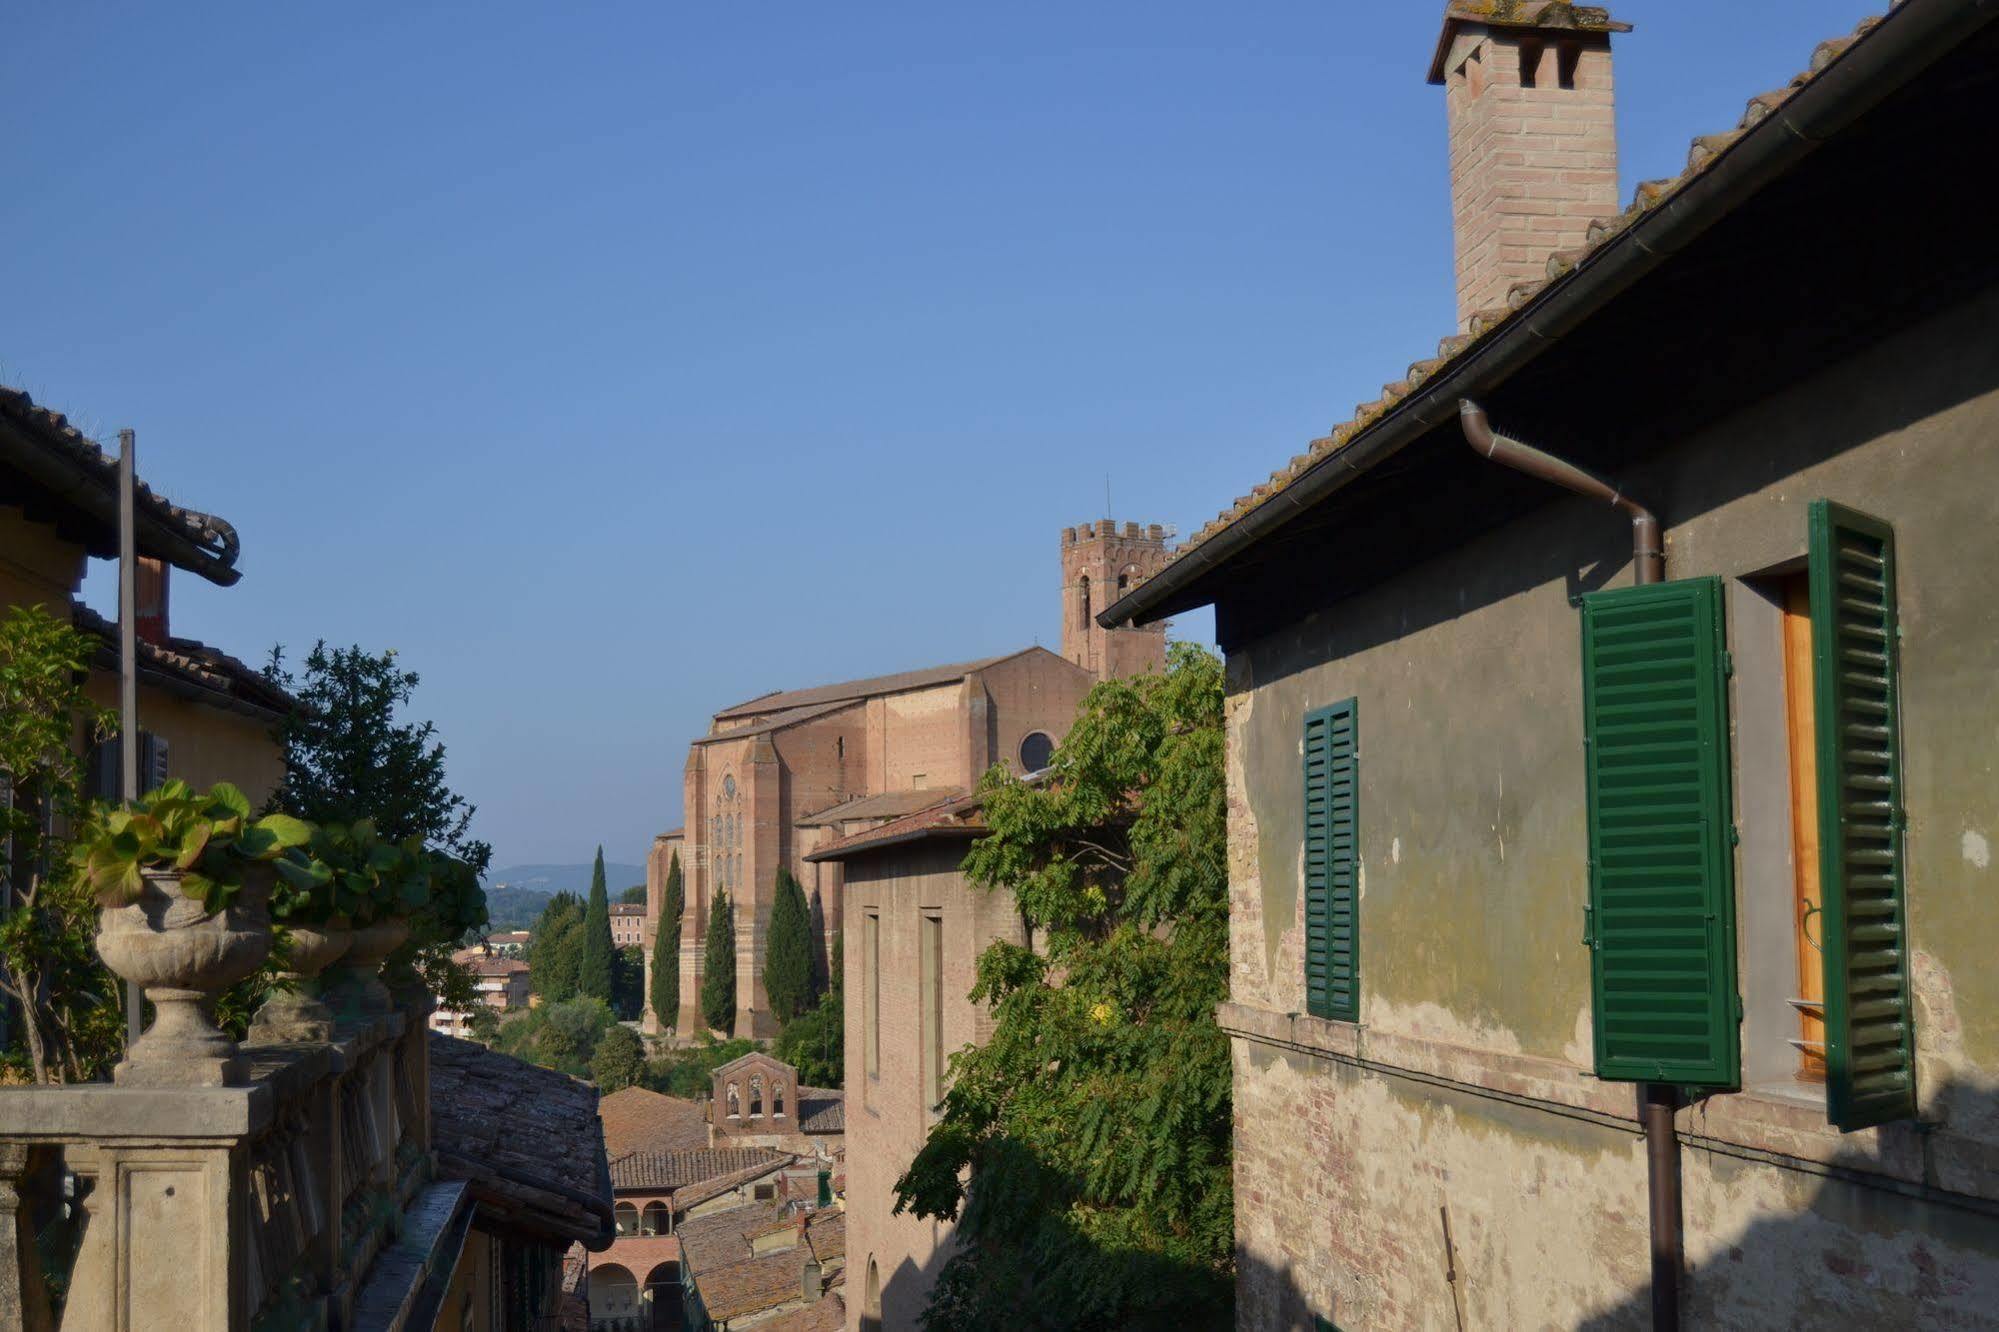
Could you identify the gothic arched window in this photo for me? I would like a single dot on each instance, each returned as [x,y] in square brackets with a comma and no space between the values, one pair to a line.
[757,1097]
[735,1103]
[1085,620]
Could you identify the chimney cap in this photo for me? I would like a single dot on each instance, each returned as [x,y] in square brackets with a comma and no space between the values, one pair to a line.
[1548,15]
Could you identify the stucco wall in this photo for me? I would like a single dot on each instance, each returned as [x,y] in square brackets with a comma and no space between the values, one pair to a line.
[37,567]
[887,1120]
[1473,863]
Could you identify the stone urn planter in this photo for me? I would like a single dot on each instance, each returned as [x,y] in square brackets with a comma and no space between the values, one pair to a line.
[181,955]
[354,987]
[298,1012]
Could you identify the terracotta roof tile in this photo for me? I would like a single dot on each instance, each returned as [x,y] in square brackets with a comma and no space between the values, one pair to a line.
[639,1120]
[1703,152]
[526,1138]
[675,1170]
[190,662]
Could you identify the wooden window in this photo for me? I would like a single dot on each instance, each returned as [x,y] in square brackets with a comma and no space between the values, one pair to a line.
[1862,825]
[1660,920]
[1801,730]
[1332,863]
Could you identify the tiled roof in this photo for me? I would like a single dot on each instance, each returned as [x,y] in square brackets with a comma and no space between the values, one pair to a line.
[628,908]
[527,1139]
[822,1110]
[886,805]
[1561,268]
[733,1280]
[695,1194]
[674,1170]
[495,966]
[828,1315]
[188,664]
[62,461]
[784,718]
[640,1120]
[957,816]
[849,690]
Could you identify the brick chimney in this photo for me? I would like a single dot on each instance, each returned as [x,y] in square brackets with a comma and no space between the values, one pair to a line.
[1533,130]
[149,617]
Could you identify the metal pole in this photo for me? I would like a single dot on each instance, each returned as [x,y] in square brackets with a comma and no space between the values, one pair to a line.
[128,664]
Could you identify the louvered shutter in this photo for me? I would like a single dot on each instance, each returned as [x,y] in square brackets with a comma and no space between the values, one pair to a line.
[1870,1059]
[1332,865]
[1661,916]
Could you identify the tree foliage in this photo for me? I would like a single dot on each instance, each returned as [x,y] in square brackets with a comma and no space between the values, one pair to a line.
[619,1062]
[555,949]
[599,967]
[788,950]
[690,1073]
[628,983]
[633,896]
[1084,1150]
[561,1036]
[666,948]
[718,981]
[66,1003]
[350,754]
[812,1043]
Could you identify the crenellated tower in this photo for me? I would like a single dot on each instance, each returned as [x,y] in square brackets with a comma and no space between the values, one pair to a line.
[1102,561]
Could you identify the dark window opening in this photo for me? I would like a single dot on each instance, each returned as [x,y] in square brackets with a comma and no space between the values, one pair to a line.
[1530,63]
[1036,752]
[1566,60]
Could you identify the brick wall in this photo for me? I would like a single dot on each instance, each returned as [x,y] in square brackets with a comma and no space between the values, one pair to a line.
[1533,143]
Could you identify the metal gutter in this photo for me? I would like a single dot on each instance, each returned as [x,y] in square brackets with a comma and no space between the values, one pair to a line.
[1865,74]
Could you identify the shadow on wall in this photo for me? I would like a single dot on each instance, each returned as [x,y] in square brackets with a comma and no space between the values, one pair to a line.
[1856,1253]
[893,1301]
[1269,1297]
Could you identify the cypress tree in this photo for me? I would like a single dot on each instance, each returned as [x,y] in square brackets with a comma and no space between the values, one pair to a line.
[718,983]
[788,950]
[666,948]
[594,978]
[555,953]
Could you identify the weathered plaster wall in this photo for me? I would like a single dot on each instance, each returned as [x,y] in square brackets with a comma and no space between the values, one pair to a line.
[1472,821]
[205,745]
[37,567]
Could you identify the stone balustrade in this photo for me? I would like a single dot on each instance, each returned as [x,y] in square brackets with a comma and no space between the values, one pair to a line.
[260,1205]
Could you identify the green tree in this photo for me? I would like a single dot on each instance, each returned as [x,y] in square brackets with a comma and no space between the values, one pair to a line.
[597,975]
[555,950]
[483,1024]
[813,1043]
[666,949]
[66,1003]
[718,984]
[620,1061]
[633,896]
[788,950]
[1084,1149]
[689,1073]
[561,1036]
[628,983]
[350,753]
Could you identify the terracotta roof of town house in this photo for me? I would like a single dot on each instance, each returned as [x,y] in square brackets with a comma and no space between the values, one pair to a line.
[734,1281]
[526,1138]
[628,908]
[828,1314]
[695,1194]
[1562,269]
[675,1170]
[849,690]
[495,966]
[190,668]
[47,462]
[956,816]
[822,1110]
[638,1119]
[886,805]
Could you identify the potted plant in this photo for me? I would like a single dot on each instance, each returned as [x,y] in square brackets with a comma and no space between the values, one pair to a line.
[312,934]
[453,906]
[376,885]
[183,880]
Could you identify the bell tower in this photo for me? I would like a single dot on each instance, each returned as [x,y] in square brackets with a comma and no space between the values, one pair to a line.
[1102,561]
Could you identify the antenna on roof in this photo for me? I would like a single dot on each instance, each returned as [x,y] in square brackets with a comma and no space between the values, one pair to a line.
[1107,495]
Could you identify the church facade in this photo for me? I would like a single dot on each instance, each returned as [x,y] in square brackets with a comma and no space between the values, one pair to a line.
[779,775]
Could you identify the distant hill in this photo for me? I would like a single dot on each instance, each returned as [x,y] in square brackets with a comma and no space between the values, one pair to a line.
[516,894]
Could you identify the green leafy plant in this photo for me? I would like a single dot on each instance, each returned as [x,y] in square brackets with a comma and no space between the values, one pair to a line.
[355,873]
[208,839]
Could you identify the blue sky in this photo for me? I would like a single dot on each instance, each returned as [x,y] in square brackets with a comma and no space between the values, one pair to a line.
[618,362]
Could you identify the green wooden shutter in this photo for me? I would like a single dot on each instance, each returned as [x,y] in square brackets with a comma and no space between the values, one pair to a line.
[1661,916]
[1870,1058]
[1332,864]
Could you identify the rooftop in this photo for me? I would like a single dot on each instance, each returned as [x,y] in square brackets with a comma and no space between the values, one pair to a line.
[637,1119]
[849,690]
[189,668]
[887,805]
[61,475]
[955,816]
[670,1170]
[527,1139]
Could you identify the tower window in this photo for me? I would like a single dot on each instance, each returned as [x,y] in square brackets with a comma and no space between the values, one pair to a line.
[1086,601]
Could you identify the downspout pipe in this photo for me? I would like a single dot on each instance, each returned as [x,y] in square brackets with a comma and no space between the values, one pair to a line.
[1648,554]
[1657,1101]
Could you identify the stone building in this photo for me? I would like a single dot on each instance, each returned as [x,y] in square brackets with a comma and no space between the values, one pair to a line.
[628,924]
[782,773]
[1610,879]
[917,929]
[499,983]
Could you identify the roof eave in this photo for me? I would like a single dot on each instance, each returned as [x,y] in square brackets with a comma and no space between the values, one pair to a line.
[1873,68]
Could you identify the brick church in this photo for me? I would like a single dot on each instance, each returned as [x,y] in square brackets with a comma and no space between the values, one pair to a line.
[778,775]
